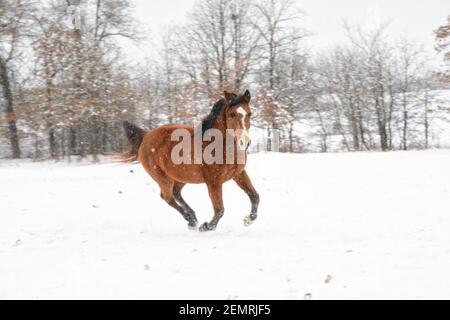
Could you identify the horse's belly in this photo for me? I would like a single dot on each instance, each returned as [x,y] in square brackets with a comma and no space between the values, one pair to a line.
[222,173]
[186,174]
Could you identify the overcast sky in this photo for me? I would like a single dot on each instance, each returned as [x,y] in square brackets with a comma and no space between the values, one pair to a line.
[417,18]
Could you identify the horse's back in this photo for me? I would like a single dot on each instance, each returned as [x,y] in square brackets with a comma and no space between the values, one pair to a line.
[156,150]
[164,133]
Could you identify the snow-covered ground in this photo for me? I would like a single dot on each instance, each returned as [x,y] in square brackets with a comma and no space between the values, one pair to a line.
[351,226]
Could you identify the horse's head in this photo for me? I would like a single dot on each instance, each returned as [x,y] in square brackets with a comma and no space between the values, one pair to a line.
[237,115]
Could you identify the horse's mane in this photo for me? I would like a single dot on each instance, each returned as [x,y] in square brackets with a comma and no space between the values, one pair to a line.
[209,121]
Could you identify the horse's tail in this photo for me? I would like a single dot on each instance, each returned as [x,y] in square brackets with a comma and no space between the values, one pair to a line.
[135,135]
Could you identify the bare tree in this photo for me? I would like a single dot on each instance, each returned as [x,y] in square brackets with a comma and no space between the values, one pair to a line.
[373,93]
[443,47]
[374,50]
[410,65]
[12,24]
[276,22]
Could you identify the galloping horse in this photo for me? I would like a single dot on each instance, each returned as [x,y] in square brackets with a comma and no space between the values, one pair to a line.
[153,149]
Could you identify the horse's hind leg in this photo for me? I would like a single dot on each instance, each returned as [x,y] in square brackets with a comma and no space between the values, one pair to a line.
[215,193]
[186,215]
[178,186]
[166,185]
[243,181]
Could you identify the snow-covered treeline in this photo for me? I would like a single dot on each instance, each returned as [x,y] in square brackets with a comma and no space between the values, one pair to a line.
[66,85]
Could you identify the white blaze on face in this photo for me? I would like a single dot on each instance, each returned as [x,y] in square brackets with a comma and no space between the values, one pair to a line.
[244,139]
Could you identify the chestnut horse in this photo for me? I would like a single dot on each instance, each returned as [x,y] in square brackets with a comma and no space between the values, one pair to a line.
[153,149]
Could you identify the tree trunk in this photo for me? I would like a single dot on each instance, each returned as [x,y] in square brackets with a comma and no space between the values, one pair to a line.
[9,108]
[93,138]
[381,123]
[355,134]
[237,53]
[104,134]
[405,131]
[324,135]
[223,62]
[354,126]
[52,143]
[269,139]
[271,67]
[291,138]
[389,117]
[63,143]
[426,121]
[72,141]
[50,126]
[361,129]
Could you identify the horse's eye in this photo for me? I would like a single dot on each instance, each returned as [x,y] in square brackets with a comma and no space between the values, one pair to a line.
[233,114]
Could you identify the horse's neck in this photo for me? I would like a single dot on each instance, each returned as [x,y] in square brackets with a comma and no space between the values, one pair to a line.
[220,124]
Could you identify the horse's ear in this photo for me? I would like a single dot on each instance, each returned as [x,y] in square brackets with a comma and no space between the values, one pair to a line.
[228,96]
[247,96]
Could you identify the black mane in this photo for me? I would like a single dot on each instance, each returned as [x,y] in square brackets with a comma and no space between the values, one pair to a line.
[237,101]
[209,121]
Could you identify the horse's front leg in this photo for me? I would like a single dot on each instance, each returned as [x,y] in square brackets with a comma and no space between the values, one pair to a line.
[215,193]
[243,181]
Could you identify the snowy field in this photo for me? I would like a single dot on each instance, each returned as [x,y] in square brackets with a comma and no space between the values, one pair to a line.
[350,226]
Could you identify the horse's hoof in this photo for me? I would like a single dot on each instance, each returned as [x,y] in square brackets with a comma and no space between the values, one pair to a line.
[248,220]
[207,227]
[192,227]
[204,227]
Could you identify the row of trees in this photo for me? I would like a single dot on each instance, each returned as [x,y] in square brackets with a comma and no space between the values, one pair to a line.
[63,78]
[66,86]
[377,93]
